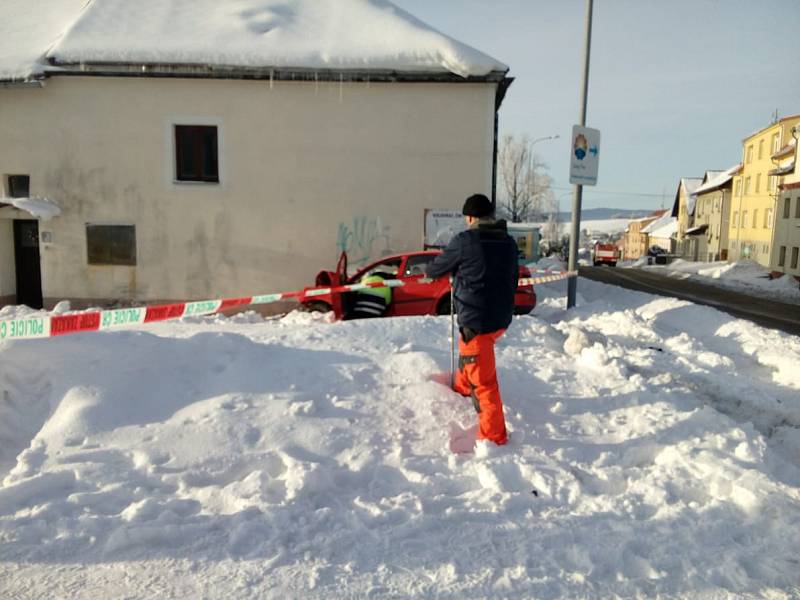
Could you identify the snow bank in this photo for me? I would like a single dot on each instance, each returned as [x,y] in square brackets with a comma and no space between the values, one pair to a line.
[654,451]
[746,276]
[308,34]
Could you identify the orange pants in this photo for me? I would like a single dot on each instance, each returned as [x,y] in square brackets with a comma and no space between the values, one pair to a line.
[477,377]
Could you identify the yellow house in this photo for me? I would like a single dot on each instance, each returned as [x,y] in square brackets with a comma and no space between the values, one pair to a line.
[755,193]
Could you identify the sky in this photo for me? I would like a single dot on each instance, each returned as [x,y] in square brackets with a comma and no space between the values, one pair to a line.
[674,86]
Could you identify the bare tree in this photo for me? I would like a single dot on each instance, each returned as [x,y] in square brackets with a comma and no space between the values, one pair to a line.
[525,185]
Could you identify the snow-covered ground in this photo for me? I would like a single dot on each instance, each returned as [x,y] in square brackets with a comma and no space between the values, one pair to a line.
[745,276]
[654,452]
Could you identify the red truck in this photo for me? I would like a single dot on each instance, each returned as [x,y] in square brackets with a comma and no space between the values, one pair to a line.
[605,254]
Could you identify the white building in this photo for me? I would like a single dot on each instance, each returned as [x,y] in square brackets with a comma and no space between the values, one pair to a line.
[785,256]
[198,151]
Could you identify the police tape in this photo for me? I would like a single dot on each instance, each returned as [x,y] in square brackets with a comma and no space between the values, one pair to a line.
[32,327]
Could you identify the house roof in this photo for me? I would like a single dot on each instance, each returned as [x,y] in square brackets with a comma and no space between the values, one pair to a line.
[697,230]
[663,227]
[714,180]
[28,30]
[778,122]
[37,38]
[689,185]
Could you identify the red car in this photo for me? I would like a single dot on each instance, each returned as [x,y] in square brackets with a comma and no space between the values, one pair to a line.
[412,298]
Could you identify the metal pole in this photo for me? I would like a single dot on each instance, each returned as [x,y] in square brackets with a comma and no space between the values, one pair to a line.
[577,198]
[452,336]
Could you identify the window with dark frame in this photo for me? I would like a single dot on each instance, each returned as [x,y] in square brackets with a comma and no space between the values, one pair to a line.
[786,207]
[782,256]
[196,154]
[797,208]
[111,244]
[795,252]
[19,186]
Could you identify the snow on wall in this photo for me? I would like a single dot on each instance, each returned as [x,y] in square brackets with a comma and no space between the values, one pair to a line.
[346,34]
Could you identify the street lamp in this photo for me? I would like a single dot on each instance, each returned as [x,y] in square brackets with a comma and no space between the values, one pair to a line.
[533,161]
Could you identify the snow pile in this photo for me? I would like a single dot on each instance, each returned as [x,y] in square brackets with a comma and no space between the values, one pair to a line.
[308,34]
[654,451]
[746,276]
[548,263]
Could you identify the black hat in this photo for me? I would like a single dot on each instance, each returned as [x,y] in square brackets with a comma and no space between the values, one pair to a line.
[477,205]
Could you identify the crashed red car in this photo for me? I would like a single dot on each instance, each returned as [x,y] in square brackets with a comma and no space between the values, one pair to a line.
[412,298]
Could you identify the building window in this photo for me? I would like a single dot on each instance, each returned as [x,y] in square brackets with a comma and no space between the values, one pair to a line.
[747,186]
[782,256]
[744,218]
[111,244]
[787,203]
[196,155]
[737,187]
[755,218]
[758,183]
[19,186]
[749,154]
[776,142]
[768,219]
[795,252]
[735,219]
[773,184]
[760,149]
[796,207]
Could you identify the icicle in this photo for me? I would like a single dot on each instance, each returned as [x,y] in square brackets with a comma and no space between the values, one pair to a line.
[341,88]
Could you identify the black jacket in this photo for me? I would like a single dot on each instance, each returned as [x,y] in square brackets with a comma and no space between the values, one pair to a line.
[484,263]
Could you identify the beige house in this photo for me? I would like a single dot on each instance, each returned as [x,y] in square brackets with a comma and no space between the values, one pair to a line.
[683,211]
[635,243]
[661,232]
[785,256]
[172,172]
[712,215]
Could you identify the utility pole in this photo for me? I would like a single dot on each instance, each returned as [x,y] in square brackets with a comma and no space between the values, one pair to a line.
[572,282]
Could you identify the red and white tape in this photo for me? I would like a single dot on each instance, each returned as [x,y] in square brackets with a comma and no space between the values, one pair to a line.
[54,325]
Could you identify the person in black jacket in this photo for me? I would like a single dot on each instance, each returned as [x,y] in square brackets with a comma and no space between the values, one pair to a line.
[483,260]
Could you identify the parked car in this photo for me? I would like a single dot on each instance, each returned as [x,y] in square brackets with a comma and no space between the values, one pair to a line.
[412,298]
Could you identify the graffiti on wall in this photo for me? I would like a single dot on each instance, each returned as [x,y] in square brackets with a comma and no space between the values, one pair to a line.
[364,239]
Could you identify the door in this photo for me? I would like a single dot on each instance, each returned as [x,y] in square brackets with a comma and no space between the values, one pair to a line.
[28,264]
[415,298]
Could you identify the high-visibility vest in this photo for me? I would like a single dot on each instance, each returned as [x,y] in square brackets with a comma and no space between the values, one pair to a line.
[383,292]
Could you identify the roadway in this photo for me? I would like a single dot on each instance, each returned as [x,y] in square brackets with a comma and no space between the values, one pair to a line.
[766,312]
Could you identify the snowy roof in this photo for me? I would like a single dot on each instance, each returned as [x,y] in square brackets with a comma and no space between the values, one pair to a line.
[28,30]
[362,35]
[717,180]
[662,227]
[690,185]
